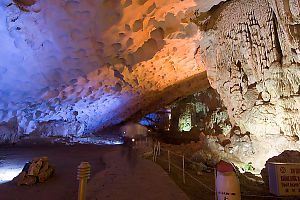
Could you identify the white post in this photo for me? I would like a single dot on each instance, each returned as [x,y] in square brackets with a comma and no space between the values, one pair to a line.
[169,161]
[183,175]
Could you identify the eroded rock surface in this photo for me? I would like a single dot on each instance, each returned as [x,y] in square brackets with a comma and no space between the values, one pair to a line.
[251,51]
[94,63]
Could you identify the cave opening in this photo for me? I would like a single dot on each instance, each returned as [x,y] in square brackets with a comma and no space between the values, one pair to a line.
[188,117]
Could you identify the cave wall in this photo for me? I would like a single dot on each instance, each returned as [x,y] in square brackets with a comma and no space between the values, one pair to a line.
[252,56]
[202,111]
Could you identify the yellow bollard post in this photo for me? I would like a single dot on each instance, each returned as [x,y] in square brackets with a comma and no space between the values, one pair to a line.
[83,174]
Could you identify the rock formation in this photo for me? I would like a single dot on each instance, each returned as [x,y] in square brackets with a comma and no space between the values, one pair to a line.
[38,170]
[251,51]
[203,111]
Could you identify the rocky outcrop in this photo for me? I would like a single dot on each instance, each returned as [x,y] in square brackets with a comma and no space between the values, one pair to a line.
[251,51]
[38,170]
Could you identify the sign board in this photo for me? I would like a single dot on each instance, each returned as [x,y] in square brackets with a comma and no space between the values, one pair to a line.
[284,178]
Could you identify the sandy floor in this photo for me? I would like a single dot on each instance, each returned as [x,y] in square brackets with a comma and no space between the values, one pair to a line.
[118,172]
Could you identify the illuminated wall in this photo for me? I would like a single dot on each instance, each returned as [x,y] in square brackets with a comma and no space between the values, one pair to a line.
[203,111]
[185,122]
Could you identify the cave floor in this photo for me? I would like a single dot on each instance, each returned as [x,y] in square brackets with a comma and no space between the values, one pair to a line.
[117,172]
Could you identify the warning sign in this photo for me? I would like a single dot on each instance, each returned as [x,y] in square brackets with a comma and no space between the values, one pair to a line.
[284,179]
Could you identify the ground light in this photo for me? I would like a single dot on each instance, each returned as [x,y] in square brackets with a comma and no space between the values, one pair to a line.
[8,172]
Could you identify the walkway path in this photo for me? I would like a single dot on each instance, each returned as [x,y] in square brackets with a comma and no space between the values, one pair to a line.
[128,176]
[117,173]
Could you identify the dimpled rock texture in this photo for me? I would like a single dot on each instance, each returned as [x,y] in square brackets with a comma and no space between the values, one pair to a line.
[71,67]
[83,65]
[251,51]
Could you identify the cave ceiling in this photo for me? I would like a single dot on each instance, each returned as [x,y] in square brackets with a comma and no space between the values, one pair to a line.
[88,64]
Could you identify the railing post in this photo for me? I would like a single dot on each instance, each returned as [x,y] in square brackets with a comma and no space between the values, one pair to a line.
[216,195]
[169,161]
[83,174]
[183,174]
[158,148]
[156,152]
[153,152]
